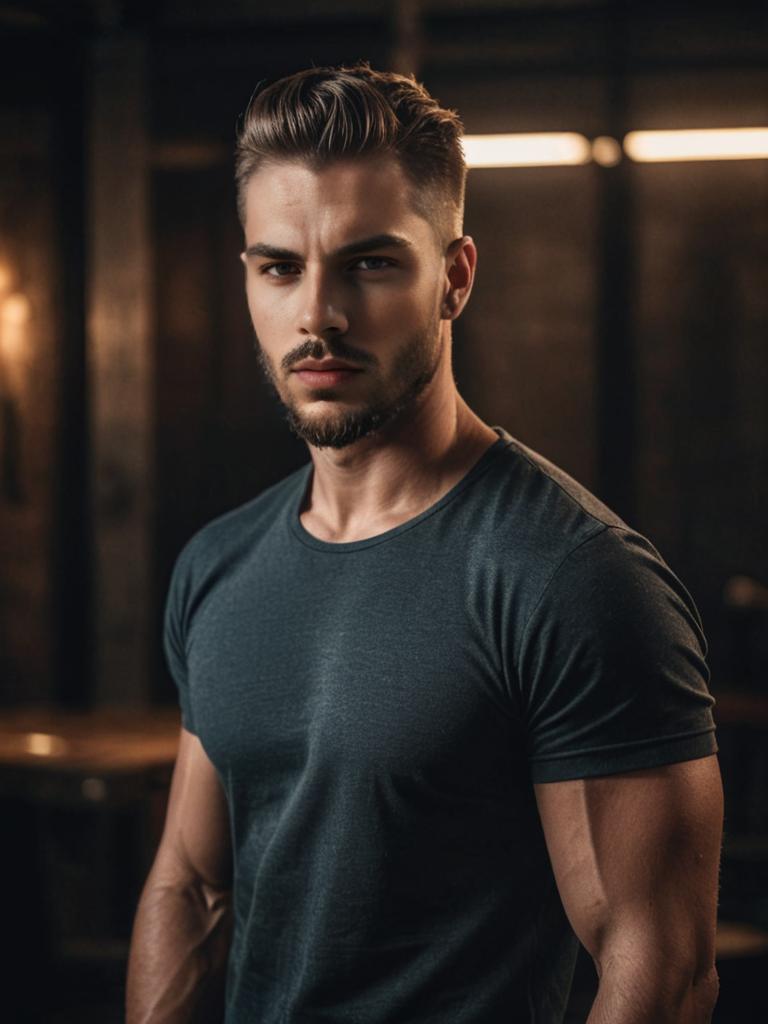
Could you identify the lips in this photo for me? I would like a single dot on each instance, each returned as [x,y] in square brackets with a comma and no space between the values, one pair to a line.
[325,373]
[323,365]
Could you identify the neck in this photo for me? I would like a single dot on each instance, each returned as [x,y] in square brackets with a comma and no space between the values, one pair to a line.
[389,477]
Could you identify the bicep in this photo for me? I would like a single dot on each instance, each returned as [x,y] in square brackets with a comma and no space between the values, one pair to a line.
[196,837]
[635,855]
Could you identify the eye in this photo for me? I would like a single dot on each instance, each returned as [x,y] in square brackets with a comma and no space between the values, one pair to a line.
[373,263]
[279,269]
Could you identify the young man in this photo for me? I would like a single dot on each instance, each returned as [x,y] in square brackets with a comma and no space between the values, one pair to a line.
[442,710]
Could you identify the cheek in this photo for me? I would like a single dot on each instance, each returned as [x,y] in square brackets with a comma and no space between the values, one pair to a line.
[401,307]
[250,298]
[265,312]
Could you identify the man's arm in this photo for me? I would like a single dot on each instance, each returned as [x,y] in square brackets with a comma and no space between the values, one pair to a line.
[635,858]
[180,942]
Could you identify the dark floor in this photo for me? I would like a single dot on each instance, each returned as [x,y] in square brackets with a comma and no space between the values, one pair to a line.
[743,991]
[89,995]
[76,994]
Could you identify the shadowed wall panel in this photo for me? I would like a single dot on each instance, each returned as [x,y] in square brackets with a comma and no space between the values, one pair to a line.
[43,441]
[29,362]
[120,368]
[703,369]
[525,345]
[702,332]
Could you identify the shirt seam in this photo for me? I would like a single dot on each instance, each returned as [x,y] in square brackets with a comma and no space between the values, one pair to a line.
[597,532]
[521,451]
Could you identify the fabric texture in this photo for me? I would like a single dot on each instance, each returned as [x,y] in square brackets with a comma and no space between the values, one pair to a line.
[378,711]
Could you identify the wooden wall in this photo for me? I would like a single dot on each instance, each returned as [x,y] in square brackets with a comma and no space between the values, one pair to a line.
[29,396]
[43,437]
[618,323]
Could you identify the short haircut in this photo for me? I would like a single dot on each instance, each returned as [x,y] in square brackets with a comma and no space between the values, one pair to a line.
[321,115]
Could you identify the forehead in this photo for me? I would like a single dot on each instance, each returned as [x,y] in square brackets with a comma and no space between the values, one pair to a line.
[290,203]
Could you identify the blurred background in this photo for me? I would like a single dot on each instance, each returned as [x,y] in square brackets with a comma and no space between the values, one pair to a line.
[619,325]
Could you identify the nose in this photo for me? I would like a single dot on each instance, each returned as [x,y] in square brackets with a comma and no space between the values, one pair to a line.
[321,310]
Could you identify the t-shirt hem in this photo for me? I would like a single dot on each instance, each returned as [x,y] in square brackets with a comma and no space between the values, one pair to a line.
[612,760]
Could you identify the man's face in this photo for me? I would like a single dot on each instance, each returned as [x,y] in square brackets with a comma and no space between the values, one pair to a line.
[344,283]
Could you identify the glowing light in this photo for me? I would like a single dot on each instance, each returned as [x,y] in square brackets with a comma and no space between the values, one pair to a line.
[43,744]
[15,310]
[14,315]
[606,151]
[538,149]
[698,144]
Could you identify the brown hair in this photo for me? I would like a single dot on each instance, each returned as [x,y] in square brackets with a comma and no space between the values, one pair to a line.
[325,114]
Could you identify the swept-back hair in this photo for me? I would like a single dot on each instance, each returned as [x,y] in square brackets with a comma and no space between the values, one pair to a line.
[325,114]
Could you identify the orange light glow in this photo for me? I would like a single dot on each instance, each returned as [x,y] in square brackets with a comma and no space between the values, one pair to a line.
[5,279]
[606,151]
[14,342]
[699,144]
[43,744]
[14,316]
[15,310]
[538,149]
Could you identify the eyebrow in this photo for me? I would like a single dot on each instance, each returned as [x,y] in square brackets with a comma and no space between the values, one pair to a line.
[385,241]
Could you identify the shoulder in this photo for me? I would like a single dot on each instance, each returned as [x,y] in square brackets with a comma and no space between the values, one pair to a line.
[550,497]
[615,574]
[532,516]
[562,548]
[229,537]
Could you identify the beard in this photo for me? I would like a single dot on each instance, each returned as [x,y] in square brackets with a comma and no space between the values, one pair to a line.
[414,366]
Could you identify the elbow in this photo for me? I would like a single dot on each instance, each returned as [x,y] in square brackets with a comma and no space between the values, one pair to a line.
[686,997]
[660,989]
[692,992]
[705,989]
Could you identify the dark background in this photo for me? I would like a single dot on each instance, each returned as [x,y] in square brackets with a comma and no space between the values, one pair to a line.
[619,325]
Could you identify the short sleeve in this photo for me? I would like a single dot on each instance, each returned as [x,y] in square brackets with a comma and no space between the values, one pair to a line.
[612,665]
[174,638]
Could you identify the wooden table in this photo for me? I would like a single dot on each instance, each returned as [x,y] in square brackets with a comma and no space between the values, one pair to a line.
[83,798]
[89,755]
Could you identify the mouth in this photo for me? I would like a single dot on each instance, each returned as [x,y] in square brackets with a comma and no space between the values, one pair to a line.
[324,373]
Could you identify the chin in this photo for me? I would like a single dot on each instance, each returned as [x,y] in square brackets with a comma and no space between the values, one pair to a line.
[337,430]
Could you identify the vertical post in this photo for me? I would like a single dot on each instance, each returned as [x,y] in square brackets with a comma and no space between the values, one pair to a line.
[616,372]
[71,525]
[120,371]
[407,45]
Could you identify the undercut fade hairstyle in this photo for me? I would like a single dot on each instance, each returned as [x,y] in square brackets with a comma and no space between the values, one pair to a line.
[322,115]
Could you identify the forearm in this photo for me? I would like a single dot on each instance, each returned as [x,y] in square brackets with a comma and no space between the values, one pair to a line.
[178,957]
[652,993]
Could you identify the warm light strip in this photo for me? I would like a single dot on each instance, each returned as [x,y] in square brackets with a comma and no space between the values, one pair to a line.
[539,149]
[700,144]
[43,744]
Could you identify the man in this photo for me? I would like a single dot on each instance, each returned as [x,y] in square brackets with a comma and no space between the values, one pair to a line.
[441,708]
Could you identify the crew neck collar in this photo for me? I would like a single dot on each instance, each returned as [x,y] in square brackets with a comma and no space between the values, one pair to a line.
[309,540]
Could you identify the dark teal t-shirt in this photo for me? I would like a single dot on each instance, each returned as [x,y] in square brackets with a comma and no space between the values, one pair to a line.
[378,711]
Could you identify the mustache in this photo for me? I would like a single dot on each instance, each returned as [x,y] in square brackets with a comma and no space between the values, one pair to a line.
[318,348]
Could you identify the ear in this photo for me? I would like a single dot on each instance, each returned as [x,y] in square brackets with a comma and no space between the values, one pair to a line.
[244,259]
[460,264]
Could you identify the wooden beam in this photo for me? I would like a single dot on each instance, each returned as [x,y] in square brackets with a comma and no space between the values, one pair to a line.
[407,47]
[120,372]
[616,418]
